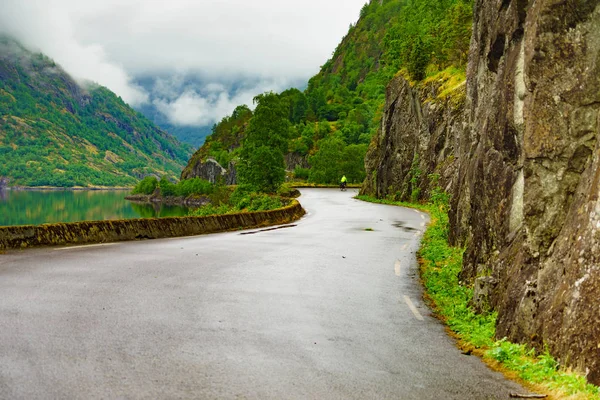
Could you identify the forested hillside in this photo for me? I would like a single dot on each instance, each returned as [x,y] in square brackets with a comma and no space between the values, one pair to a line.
[55,133]
[333,120]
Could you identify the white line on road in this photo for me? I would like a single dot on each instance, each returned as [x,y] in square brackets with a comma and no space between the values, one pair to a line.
[397,266]
[422,216]
[412,307]
[85,246]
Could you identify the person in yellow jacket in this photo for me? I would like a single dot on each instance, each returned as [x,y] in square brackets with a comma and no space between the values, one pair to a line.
[343,182]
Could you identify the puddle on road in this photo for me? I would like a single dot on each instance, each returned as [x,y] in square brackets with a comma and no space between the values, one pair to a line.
[402,225]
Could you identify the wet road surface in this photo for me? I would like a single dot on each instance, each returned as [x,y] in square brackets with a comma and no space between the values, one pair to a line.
[328,309]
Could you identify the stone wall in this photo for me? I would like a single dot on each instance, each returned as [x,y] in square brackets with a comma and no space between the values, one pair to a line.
[521,160]
[17,237]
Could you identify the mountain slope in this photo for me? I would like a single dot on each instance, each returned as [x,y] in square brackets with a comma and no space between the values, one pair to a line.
[334,119]
[53,132]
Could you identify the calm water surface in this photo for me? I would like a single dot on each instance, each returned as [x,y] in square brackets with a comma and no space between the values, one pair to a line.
[33,207]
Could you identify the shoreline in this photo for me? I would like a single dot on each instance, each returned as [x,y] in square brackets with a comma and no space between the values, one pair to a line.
[58,189]
[190,202]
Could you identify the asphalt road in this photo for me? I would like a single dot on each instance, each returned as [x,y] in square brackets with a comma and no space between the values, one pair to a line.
[328,309]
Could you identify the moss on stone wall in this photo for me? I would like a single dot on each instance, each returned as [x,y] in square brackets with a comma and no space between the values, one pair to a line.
[15,237]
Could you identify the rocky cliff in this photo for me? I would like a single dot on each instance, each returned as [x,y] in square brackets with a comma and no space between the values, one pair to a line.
[518,149]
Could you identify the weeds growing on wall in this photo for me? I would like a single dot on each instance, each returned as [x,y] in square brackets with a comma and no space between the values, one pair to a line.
[440,266]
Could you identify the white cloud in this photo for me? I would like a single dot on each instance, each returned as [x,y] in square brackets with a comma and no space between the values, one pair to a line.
[205,105]
[51,31]
[113,41]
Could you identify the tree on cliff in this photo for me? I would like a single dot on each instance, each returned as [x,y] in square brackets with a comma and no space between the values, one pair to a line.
[418,60]
[261,164]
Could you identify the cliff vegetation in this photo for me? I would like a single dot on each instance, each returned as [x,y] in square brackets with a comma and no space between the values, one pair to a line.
[332,121]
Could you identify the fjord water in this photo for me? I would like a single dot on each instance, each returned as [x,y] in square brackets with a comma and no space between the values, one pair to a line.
[34,207]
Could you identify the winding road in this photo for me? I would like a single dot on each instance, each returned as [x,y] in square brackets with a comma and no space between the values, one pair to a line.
[329,308]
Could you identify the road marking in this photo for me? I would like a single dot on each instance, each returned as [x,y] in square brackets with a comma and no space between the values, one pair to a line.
[412,307]
[422,217]
[397,266]
[85,246]
[422,224]
[268,229]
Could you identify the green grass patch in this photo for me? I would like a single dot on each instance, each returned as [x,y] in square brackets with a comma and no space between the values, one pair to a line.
[541,369]
[241,200]
[440,266]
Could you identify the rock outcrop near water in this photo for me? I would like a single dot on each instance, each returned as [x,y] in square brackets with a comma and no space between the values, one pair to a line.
[518,148]
[209,170]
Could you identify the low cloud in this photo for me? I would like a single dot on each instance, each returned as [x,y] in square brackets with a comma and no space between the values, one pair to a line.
[114,42]
[196,104]
[44,28]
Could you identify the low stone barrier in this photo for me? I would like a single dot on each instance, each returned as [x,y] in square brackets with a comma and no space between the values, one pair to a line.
[16,237]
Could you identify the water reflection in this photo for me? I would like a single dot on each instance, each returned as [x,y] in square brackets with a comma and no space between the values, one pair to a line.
[24,207]
[157,210]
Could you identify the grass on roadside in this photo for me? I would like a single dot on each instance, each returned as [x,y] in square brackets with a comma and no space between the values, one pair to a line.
[440,265]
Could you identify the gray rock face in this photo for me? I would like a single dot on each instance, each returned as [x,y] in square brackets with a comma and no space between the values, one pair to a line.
[521,159]
[483,288]
[417,138]
[294,160]
[231,174]
[209,170]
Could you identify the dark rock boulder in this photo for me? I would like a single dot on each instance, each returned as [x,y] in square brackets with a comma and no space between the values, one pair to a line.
[295,160]
[209,170]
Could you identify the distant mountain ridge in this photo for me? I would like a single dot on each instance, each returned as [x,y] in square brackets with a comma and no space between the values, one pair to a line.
[53,132]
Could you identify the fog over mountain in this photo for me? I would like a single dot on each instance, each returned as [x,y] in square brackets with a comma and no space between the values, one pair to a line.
[191,61]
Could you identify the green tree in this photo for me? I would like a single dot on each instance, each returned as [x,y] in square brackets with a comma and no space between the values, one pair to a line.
[326,162]
[263,168]
[417,63]
[353,162]
[145,186]
[261,162]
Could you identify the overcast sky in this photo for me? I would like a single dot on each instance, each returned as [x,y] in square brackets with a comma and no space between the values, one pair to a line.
[235,48]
